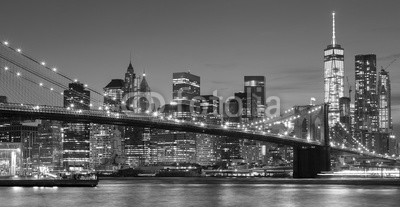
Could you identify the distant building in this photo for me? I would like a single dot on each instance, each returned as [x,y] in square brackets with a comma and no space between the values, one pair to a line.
[174,147]
[254,89]
[145,100]
[16,150]
[345,114]
[131,86]
[113,94]
[333,77]
[206,149]
[105,146]
[366,96]
[48,146]
[384,93]
[373,121]
[76,142]
[185,87]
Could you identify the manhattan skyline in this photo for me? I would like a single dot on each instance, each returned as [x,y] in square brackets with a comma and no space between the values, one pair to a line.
[219,41]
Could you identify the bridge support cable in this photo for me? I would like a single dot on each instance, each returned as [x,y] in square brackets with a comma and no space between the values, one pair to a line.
[37,76]
[42,66]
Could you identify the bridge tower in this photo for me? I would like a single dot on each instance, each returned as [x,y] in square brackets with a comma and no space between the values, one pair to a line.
[312,125]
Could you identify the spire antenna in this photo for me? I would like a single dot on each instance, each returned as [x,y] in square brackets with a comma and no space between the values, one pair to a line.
[333,29]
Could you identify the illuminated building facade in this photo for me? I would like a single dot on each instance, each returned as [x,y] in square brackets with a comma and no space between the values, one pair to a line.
[174,147]
[185,87]
[254,88]
[333,77]
[76,136]
[16,149]
[384,93]
[113,93]
[48,147]
[366,97]
[131,85]
[105,146]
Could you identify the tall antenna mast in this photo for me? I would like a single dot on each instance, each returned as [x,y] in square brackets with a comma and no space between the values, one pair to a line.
[333,29]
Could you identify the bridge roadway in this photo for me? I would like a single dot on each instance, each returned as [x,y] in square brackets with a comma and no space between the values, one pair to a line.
[28,111]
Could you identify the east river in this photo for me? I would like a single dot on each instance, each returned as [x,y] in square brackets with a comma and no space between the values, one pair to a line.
[201,192]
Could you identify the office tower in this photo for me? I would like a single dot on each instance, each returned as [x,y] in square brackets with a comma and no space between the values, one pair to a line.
[105,147]
[48,147]
[206,149]
[174,147]
[131,85]
[344,108]
[366,97]
[333,76]
[206,144]
[254,88]
[16,150]
[185,87]
[384,93]
[385,112]
[144,101]
[76,140]
[130,80]
[113,94]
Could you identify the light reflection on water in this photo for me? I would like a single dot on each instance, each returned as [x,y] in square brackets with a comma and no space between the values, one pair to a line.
[197,192]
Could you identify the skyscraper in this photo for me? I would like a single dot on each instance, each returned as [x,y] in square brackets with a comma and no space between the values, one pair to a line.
[113,94]
[76,144]
[384,93]
[254,88]
[131,85]
[366,97]
[185,86]
[333,76]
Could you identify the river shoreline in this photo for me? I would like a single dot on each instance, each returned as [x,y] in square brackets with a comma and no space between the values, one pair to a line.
[256,180]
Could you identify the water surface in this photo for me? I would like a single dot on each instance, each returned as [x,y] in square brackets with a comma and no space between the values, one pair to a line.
[201,192]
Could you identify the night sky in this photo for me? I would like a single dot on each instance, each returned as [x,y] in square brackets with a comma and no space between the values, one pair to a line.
[221,41]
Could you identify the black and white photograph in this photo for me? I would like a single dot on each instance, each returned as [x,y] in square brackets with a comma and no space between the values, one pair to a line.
[199,103]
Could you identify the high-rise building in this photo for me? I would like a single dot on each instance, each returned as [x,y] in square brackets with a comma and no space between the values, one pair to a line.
[206,149]
[131,85]
[174,147]
[333,77]
[113,94]
[130,80]
[105,146]
[384,93]
[48,147]
[145,100]
[345,115]
[185,87]
[76,136]
[16,150]
[366,96]
[254,88]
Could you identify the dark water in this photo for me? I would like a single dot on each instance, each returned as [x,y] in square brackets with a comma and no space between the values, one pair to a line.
[201,192]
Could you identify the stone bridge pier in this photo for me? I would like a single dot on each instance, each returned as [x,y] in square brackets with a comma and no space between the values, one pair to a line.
[312,125]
